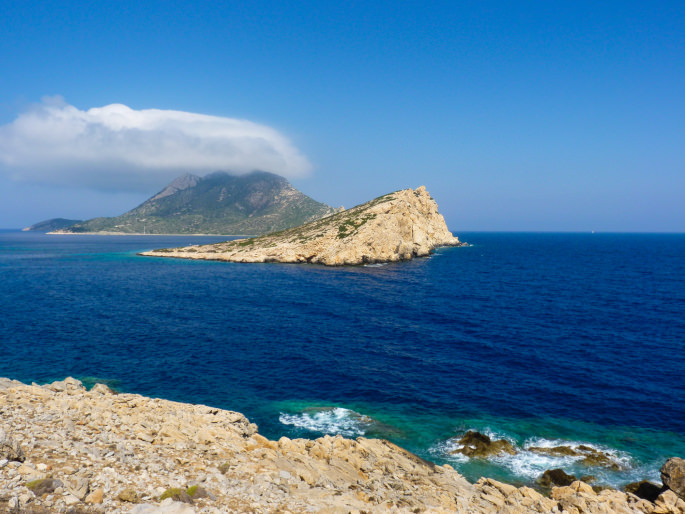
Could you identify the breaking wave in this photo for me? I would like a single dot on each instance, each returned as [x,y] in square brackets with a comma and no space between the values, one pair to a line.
[331,421]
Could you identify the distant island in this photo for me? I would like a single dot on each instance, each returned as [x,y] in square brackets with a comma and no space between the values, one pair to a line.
[51,225]
[219,203]
[393,227]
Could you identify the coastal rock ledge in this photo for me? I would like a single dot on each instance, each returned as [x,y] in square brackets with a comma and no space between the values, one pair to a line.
[394,227]
[66,449]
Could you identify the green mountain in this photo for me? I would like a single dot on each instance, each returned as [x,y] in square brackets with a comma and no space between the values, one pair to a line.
[219,203]
[51,225]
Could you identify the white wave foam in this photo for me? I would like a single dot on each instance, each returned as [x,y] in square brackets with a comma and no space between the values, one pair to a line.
[446,450]
[530,465]
[336,421]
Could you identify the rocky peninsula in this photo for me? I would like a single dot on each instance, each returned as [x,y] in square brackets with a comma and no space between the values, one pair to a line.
[394,227]
[66,449]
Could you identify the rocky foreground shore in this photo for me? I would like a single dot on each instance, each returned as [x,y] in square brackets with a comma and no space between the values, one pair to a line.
[65,449]
[394,227]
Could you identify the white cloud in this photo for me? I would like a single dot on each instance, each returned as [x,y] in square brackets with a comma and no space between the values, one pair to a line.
[118,148]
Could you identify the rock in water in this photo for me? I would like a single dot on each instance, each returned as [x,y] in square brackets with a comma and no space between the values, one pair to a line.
[673,475]
[475,444]
[556,477]
[394,227]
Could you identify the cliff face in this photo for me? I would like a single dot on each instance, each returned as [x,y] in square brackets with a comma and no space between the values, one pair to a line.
[393,227]
[218,203]
[63,448]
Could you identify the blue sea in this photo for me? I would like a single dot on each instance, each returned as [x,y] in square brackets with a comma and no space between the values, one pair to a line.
[542,339]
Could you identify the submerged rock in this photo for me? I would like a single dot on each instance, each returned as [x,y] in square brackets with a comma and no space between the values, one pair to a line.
[554,451]
[475,444]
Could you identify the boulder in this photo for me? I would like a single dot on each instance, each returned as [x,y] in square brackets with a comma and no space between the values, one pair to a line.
[129,495]
[644,489]
[101,389]
[475,444]
[177,494]
[79,487]
[673,475]
[69,384]
[44,486]
[96,496]
[669,502]
[9,448]
[557,477]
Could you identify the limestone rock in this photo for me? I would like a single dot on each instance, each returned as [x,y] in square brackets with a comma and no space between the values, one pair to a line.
[69,384]
[101,389]
[78,486]
[673,475]
[394,227]
[669,502]
[6,383]
[9,448]
[168,506]
[129,495]
[89,440]
[95,497]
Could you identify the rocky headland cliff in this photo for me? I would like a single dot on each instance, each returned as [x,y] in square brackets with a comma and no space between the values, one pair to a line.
[394,227]
[65,449]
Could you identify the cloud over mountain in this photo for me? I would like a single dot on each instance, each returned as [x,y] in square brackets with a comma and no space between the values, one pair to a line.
[121,149]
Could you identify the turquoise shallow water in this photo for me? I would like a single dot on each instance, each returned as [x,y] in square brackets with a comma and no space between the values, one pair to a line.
[542,339]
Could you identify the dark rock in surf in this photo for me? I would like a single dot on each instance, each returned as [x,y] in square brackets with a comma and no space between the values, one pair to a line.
[556,477]
[477,445]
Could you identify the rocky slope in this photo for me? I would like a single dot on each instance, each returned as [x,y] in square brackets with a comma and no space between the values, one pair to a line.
[394,227]
[51,225]
[218,203]
[65,449]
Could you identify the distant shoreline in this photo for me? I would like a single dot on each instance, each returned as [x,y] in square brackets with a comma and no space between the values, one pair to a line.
[61,233]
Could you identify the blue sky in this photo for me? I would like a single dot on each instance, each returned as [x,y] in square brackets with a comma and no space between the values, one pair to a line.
[515,115]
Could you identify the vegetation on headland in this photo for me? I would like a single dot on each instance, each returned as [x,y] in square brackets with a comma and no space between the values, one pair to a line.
[345,223]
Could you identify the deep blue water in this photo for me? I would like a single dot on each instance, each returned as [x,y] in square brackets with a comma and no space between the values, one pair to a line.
[539,338]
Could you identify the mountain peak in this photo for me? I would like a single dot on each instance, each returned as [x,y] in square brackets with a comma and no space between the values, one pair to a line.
[218,203]
[179,184]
